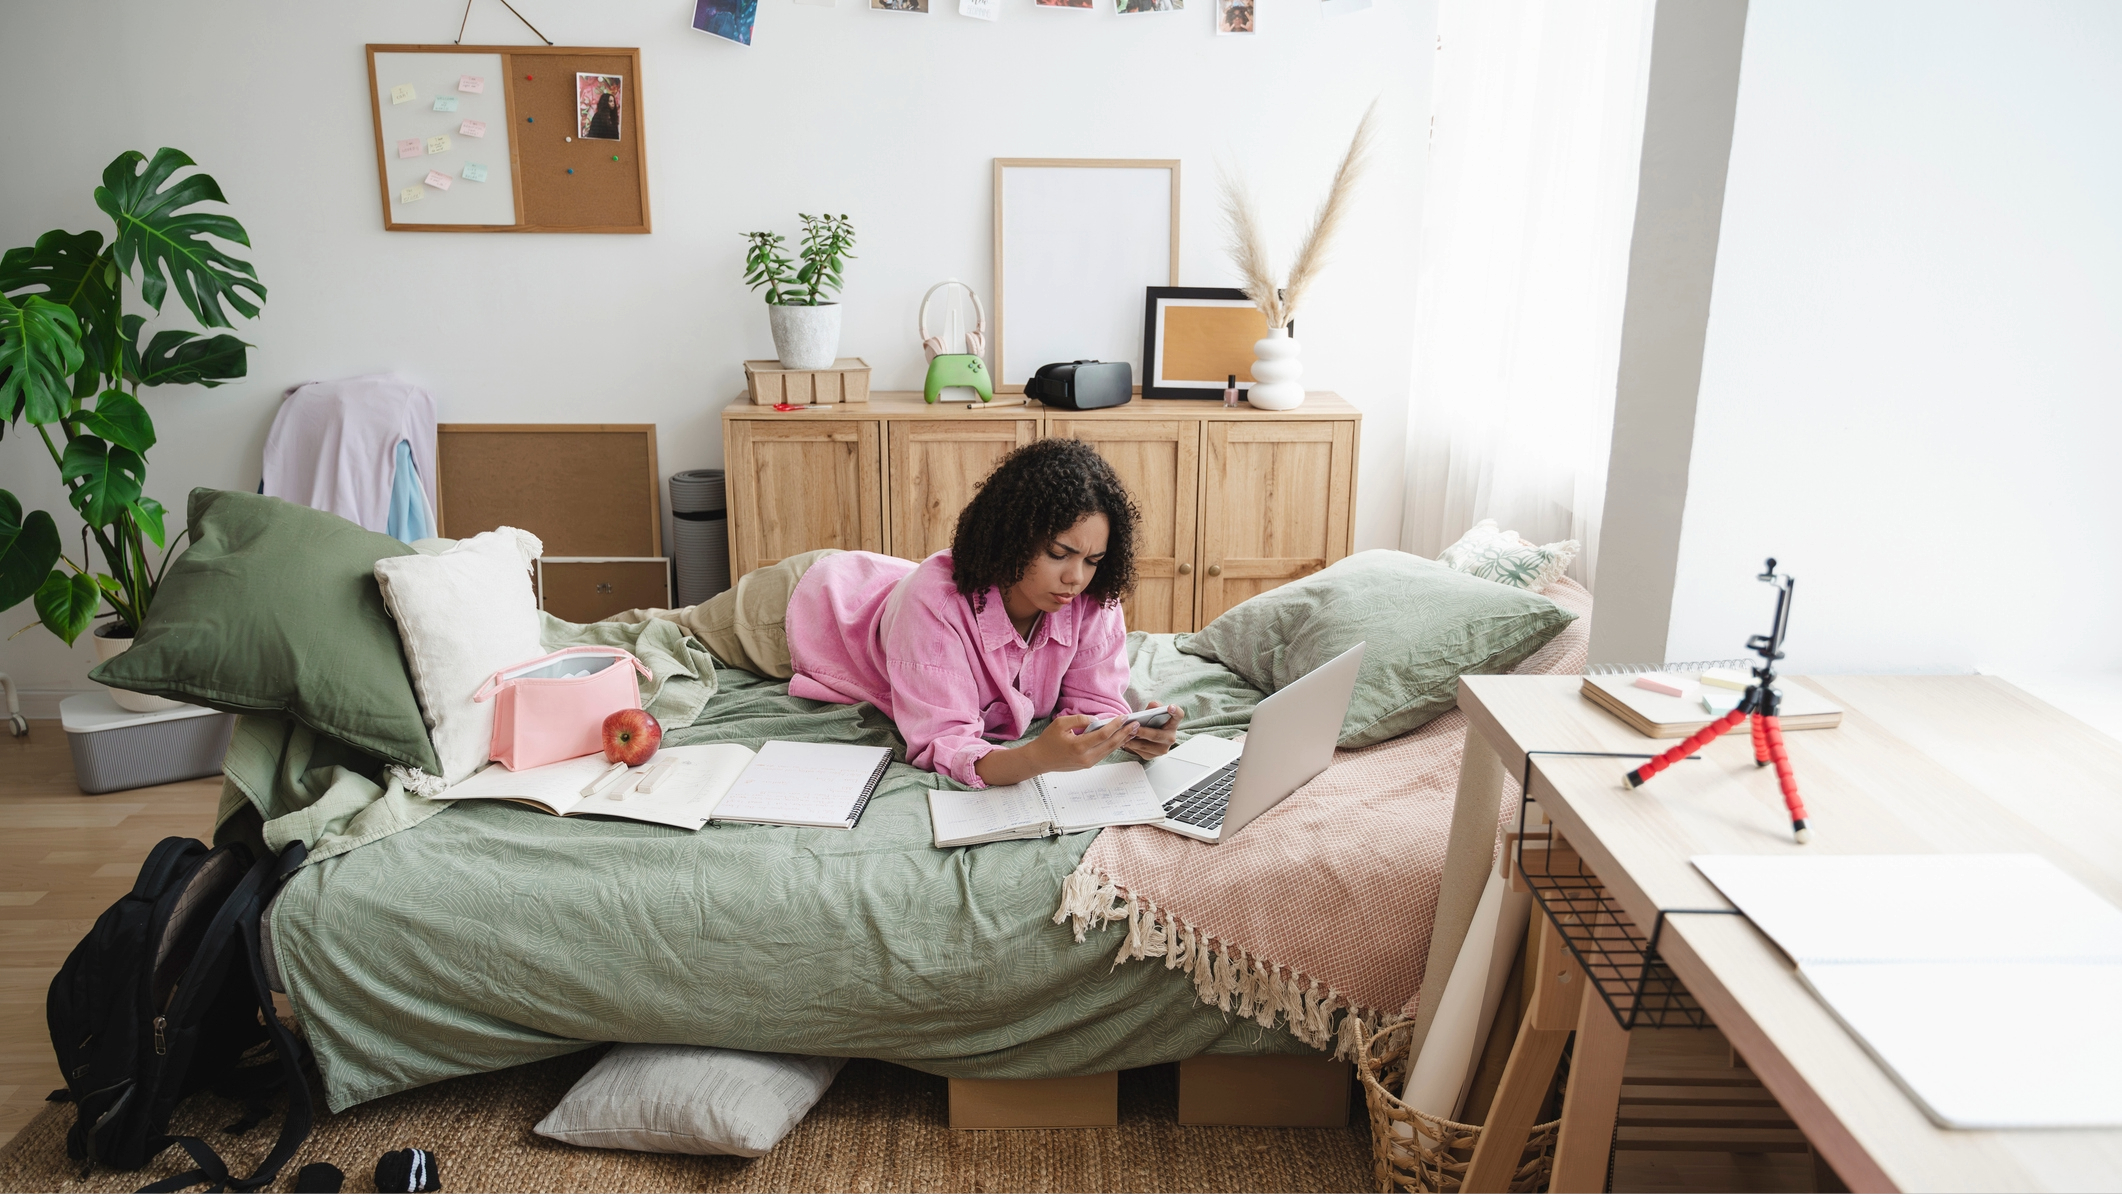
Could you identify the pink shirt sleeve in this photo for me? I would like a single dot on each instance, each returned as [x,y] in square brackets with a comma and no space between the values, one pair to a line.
[931,663]
[1096,679]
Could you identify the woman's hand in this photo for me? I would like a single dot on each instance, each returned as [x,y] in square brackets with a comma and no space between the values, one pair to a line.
[1066,747]
[1149,743]
[1060,748]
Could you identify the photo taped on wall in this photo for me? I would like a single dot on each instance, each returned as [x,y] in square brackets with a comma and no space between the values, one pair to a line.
[899,5]
[1234,16]
[728,19]
[599,101]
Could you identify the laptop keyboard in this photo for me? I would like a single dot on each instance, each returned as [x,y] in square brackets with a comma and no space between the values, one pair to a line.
[1204,804]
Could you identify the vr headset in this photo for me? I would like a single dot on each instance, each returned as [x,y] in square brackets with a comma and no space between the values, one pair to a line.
[1082,385]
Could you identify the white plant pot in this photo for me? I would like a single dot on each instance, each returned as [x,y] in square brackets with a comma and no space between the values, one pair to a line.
[806,337]
[110,647]
[1277,372]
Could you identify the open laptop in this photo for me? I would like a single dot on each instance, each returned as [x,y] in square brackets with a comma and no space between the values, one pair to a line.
[1214,787]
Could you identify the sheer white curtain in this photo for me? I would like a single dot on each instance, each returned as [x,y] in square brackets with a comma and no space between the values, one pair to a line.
[1522,267]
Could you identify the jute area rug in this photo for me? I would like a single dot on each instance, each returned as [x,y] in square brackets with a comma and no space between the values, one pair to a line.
[880,1127]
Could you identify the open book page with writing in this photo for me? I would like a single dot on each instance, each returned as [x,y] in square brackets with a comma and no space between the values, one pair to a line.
[685,795]
[988,815]
[1116,794]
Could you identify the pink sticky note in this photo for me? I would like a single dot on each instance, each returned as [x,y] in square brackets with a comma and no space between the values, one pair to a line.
[472,128]
[471,83]
[1654,683]
[438,180]
[411,147]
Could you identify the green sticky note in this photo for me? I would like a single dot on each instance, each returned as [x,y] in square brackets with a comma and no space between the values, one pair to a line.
[445,103]
[474,172]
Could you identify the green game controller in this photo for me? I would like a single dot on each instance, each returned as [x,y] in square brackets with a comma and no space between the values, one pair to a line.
[957,369]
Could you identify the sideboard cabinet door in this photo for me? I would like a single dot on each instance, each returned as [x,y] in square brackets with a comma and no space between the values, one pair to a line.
[935,466]
[796,487]
[1160,463]
[1275,500]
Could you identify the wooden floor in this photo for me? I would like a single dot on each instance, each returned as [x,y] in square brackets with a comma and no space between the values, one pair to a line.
[64,858]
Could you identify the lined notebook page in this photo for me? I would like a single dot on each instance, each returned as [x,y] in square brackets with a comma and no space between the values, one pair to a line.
[804,783]
[1116,794]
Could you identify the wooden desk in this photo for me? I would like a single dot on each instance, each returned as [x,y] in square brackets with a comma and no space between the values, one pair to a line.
[1930,764]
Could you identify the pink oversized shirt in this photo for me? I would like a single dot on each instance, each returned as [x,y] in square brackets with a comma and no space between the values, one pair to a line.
[865,627]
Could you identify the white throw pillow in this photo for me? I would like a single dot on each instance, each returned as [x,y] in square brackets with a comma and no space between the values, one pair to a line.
[1503,557]
[463,614]
[690,1099]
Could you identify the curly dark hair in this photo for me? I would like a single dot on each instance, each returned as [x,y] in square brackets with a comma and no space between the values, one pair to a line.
[1034,494]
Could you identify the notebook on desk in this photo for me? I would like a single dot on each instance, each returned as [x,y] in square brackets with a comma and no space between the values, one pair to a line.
[1657,715]
[1986,984]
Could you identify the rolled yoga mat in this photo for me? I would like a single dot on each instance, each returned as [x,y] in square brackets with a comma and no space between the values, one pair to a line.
[700,518]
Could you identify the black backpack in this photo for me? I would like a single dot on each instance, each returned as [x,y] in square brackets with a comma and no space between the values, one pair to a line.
[167,996]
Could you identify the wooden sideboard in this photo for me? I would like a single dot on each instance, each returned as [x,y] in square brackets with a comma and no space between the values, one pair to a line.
[1233,501]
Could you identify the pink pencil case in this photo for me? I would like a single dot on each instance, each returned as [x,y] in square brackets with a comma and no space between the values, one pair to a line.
[553,707]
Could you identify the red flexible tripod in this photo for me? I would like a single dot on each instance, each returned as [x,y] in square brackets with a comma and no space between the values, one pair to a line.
[1761,703]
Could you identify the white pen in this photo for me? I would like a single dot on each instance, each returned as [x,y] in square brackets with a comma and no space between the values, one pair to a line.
[655,774]
[605,777]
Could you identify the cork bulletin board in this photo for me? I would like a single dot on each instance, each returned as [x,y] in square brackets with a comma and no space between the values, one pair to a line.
[523,138]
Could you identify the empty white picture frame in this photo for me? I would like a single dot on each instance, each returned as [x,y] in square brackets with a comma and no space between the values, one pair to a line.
[1076,242]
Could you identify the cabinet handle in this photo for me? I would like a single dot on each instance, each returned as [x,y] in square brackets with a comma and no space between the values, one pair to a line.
[1215,569]
[1186,569]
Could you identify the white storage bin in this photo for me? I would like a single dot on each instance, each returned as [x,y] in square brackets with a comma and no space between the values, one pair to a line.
[115,749]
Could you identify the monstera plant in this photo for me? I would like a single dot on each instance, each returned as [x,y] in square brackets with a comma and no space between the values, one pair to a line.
[72,366]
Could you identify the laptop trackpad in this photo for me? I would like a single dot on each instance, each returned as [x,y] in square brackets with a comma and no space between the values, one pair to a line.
[1188,762]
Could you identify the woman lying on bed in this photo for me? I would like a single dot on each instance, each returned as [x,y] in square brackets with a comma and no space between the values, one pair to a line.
[1019,620]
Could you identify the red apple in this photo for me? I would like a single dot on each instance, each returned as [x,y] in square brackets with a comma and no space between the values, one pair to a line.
[631,737]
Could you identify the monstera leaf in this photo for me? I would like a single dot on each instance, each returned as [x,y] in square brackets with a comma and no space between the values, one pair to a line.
[110,478]
[148,514]
[28,549]
[40,347]
[67,604]
[119,418]
[72,269]
[155,231]
[181,358]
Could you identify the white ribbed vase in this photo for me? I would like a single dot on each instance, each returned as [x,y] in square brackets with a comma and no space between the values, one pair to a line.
[1277,372]
[805,337]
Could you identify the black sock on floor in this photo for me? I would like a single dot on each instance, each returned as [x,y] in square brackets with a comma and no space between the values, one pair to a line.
[318,1177]
[413,1170]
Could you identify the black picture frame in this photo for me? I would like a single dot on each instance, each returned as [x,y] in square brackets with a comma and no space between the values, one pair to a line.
[1153,294]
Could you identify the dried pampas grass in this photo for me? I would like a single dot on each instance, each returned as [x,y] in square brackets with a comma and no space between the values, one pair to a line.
[1248,244]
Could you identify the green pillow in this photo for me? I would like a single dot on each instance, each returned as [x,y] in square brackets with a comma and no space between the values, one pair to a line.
[274,609]
[1424,626]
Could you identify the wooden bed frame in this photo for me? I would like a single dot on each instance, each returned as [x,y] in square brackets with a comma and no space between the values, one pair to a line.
[1282,1091]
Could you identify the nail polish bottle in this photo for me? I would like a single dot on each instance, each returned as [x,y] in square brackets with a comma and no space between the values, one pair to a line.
[1230,391]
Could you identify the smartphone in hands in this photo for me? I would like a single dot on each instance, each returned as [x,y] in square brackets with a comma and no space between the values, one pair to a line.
[1154,717]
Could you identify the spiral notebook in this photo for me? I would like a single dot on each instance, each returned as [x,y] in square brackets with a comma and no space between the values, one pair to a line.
[823,785]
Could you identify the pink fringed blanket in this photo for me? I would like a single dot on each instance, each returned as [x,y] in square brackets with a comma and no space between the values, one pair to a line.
[1326,902]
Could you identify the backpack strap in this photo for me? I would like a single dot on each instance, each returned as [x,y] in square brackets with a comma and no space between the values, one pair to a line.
[249,900]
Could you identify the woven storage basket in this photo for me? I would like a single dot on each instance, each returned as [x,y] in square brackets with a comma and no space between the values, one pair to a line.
[1411,1151]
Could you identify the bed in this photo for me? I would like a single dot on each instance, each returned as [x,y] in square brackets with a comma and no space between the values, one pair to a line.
[495,935]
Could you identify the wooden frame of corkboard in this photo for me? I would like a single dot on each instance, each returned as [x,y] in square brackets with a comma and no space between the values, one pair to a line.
[539,87]
[585,489]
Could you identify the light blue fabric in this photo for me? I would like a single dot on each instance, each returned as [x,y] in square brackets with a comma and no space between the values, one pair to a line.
[410,518]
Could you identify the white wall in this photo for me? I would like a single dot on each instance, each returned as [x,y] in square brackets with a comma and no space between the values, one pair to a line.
[1912,390]
[893,118]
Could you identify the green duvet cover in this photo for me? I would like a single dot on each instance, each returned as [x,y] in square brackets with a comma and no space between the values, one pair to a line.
[489,935]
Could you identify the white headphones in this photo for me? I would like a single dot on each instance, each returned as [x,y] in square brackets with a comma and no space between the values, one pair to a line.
[975,340]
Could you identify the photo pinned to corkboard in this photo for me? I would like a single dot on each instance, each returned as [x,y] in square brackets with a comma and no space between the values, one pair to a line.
[1196,338]
[598,102]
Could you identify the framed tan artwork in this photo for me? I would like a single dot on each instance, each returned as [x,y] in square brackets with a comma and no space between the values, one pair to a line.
[1196,338]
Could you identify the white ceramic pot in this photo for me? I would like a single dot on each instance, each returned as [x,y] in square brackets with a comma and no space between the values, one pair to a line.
[806,337]
[110,647]
[1277,372]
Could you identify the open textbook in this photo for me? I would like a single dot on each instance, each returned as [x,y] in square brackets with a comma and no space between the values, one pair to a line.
[1046,805]
[814,784]
[684,796]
